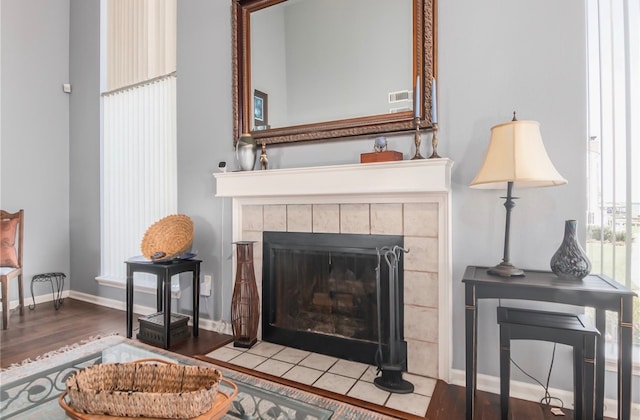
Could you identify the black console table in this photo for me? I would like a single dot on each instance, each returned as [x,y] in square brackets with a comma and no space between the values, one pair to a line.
[597,291]
[163,272]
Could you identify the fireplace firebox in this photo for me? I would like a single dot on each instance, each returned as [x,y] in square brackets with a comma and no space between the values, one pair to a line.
[319,293]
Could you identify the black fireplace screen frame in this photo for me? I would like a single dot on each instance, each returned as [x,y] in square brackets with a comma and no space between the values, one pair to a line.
[332,345]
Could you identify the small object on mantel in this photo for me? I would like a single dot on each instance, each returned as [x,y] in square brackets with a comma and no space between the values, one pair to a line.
[557,412]
[264,160]
[380,144]
[386,156]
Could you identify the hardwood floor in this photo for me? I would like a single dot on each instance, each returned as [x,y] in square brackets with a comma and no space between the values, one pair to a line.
[45,329]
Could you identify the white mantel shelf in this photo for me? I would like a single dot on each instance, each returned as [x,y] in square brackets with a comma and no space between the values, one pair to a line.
[406,176]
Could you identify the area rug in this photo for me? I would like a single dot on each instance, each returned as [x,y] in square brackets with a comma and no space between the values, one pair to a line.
[21,385]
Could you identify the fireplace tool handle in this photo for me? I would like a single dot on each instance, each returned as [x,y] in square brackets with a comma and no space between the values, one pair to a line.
[391,379]
[392,258]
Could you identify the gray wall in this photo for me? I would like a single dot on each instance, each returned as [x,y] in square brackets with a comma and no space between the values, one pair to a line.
[205,138]
[494,57]
[35,131]
[84,153]
[493,60]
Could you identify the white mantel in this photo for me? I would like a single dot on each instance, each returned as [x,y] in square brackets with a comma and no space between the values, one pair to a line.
[410,197]
[406,176]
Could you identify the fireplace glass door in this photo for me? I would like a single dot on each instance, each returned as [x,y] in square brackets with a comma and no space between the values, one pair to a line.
[320,292]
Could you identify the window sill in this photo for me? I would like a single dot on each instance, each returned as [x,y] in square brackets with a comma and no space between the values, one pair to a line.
[611,361]
[142,285]
[611,365]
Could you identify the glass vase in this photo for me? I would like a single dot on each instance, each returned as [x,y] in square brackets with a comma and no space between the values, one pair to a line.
[246,152]
[570,262]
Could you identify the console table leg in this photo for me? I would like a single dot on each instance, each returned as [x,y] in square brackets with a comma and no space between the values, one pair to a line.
[625,331]
[601,325]
[129,301]
[167,310]
[471,335]
[196,299]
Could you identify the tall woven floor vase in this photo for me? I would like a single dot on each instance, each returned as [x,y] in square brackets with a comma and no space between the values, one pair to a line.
[245,303]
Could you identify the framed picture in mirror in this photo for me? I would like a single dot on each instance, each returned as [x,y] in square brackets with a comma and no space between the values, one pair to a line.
[260,110]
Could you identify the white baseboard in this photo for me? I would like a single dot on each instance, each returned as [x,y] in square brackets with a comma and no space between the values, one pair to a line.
[28,300]
[534,392]
[218,326]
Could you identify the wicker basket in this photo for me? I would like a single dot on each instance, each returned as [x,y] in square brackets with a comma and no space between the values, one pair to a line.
[142,389]
[168,238]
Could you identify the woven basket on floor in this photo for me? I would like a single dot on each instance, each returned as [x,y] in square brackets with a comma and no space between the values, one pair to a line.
[168,238]
[142,389]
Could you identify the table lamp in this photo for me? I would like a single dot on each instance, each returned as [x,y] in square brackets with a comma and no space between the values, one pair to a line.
[516,157]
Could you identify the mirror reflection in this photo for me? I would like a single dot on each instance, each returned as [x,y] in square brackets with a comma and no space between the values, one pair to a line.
[314,61]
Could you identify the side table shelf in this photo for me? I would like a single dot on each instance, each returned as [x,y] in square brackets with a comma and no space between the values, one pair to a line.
[152,328]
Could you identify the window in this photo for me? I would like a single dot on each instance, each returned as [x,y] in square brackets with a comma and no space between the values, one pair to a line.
[139,145]
[613,235]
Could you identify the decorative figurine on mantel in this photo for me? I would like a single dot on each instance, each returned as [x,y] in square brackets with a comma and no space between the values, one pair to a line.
[264,160]
[380,152]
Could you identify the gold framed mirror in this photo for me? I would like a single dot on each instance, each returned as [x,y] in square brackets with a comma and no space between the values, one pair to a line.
[326,69]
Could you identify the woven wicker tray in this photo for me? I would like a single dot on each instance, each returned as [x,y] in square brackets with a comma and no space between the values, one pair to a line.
[221,405]
[189,387]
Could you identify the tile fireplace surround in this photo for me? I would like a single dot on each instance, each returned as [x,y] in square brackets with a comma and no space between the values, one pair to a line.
[410,198]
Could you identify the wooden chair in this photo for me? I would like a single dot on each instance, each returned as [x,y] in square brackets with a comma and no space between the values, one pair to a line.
[14,270]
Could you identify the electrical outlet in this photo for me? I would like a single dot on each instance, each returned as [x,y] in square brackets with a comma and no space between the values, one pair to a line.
[205,286]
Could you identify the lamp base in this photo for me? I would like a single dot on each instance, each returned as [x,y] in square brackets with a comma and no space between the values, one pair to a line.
[505,269]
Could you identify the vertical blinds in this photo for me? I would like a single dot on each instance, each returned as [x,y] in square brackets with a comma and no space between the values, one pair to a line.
[139,168]
[141,41]
[139,135]
[613,160]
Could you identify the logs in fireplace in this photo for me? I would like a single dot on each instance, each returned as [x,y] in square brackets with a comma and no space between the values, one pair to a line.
[319,292]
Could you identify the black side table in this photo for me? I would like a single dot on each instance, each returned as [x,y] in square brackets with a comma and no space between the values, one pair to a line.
[163,272]
[596,290]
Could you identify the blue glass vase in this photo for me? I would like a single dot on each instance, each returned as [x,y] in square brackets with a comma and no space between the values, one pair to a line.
[570,262]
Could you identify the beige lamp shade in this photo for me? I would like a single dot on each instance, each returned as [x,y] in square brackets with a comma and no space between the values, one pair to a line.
[516,154]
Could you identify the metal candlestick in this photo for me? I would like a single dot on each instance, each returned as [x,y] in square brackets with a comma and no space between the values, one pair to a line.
[417,140]
[434,143]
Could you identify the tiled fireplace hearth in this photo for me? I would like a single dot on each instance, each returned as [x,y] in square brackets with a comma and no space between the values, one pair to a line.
[408,198]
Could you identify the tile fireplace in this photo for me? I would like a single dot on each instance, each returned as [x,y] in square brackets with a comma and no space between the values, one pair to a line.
[407,199]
